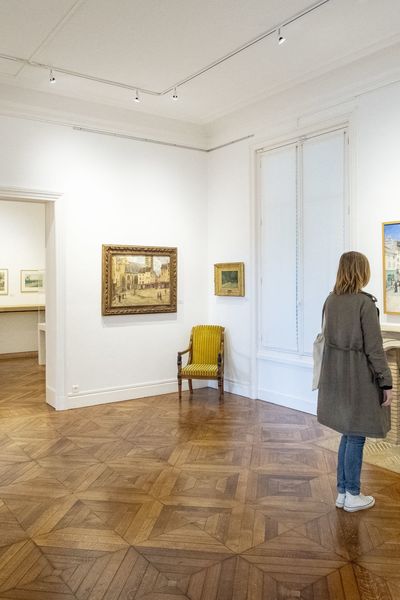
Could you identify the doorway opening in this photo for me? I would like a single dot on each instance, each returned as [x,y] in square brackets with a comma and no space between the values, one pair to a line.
[31,283]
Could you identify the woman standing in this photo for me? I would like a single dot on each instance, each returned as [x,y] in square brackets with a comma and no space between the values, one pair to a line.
[355,384]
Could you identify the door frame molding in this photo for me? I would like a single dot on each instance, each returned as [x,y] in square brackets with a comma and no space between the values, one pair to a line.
[55,286]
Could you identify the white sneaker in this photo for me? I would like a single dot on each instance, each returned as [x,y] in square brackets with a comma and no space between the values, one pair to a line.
[340,500]
[360,502]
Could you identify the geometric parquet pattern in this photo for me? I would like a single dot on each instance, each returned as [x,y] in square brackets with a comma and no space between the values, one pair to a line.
[153,499]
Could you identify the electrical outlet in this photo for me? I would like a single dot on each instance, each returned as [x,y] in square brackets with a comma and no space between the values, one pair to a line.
[75,389]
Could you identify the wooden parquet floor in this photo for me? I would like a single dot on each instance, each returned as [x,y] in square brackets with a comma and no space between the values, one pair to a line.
[152,499]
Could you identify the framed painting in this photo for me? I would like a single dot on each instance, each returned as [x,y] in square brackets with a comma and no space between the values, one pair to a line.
[391,267]
[139,280]
[229,279]
[3,282]
[32,281]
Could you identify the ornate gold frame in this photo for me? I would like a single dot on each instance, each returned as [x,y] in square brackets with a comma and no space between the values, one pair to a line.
[384,268]
[107,254]
[219,290]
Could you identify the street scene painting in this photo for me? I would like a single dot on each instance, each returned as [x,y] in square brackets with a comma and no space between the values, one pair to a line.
[139,279]
[32,281]
[3,282]
[229,279]
[391,267]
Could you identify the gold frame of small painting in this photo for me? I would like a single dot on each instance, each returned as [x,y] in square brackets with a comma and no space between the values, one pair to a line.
[229,279]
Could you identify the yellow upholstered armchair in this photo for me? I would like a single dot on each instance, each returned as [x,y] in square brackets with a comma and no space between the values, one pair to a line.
[206,357]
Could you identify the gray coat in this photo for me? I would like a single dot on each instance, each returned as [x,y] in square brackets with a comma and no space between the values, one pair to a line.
[354,368]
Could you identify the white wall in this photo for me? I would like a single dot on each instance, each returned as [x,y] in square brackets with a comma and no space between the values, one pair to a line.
[377,177]
[19,332]
[22,246]
[230,235]
[116,192]
[374,121]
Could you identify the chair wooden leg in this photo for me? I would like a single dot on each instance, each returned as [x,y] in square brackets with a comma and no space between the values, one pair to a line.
[221,387]
[180,387]
[190,386]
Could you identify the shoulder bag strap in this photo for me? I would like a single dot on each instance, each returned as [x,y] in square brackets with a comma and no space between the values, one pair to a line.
[323,319]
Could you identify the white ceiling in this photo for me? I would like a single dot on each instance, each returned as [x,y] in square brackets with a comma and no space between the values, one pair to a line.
[154,44]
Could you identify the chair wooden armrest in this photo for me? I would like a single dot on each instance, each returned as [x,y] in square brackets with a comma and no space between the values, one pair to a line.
[184,351]
[180,354]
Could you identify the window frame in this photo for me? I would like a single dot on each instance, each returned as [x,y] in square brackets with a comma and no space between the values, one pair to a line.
[300,357]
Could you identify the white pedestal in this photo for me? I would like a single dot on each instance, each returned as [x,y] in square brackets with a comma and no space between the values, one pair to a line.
[42,343]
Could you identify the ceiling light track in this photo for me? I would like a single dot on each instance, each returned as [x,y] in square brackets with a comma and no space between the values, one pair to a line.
[262,36]
[276,30]
[54,69]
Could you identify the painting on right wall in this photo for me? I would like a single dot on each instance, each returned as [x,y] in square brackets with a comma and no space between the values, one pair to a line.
[3,282]
[391,267]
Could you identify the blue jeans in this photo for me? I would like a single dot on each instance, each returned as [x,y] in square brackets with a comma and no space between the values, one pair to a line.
[350,457]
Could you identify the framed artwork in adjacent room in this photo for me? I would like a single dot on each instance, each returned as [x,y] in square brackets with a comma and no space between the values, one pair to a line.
[139,280]
[391,267]
[229,279]
[3,282]
[32,281]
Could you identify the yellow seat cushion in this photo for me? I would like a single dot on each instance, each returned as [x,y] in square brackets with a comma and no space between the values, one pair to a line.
[199,370]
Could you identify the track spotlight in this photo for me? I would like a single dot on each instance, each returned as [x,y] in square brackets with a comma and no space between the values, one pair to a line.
[137,97]
[175,95]
[281,38]
[52,79]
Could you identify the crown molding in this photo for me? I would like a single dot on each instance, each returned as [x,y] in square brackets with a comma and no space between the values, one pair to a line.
[28,195]
[325,97]
[27,103]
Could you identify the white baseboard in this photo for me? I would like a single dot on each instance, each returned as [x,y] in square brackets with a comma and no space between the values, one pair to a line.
[51,397]
[387,327]
[119,394]
[233,387]
[302,404]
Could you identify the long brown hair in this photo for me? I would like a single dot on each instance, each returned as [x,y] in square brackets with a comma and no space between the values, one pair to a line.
[353,273]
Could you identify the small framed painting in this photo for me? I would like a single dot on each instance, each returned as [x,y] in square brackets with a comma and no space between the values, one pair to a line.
[391,267]
[139,280]
[3,282]
[229,279]
[32,281]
